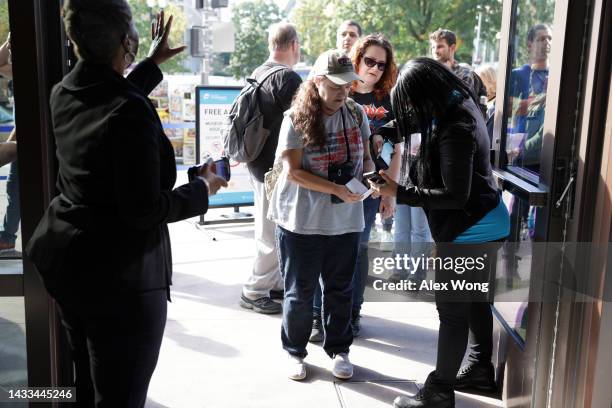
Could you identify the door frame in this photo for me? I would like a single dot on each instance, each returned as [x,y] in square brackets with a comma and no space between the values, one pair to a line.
[37,65]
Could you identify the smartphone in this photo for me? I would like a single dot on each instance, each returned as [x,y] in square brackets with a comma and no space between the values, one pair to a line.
[383,160]
[222,168]
[374,176]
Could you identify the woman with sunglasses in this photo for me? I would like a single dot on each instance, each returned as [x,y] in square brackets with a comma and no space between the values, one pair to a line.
[373,60]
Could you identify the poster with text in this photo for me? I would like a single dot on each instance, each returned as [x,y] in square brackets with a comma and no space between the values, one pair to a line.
[213,106]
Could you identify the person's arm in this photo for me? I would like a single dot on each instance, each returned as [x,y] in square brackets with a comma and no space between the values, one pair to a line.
[146,76]
[8,153]
[456,150]
[6,68]
[368,163]
[135,171]
[292,164]
[388,203]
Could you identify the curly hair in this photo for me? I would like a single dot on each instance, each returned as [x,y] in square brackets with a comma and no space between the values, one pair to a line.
[383,87]
[307,114]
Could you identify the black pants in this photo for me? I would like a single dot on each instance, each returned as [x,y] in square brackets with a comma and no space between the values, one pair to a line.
[464,314]
[115,343]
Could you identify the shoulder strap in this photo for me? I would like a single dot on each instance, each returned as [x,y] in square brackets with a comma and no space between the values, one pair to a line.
[258,81]
[354,111]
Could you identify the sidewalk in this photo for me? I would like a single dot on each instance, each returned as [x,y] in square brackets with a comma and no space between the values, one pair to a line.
[217,355]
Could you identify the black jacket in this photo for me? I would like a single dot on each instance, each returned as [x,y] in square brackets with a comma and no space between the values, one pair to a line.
[463,189]
[107,229]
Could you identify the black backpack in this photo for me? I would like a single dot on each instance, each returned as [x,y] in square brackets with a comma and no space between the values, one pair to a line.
[244,135]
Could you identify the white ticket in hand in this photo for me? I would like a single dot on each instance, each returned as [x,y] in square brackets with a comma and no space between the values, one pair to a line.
[357,187]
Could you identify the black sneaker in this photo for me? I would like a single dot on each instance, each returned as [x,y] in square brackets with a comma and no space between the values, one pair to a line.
[479,376]
[316,335]
[427,398]
[277,294]
[263,305]
[356,324]
[430,396]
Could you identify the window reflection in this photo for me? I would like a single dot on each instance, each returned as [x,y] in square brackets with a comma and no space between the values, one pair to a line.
[528,84]
[514,266]
[10,213]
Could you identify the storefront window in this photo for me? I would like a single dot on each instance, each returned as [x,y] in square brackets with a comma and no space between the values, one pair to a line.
[10,214]
[527,86]
[513,273]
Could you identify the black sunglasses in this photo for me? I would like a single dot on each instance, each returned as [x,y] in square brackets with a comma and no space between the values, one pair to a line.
[370,63]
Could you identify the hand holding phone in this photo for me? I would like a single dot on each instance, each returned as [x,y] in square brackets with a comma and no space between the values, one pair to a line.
[374,177]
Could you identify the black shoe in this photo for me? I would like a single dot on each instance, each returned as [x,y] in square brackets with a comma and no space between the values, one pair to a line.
[263,305]
[277,294]
[356,324]
[427,398]
[316,335]
[430,396]
[479,376]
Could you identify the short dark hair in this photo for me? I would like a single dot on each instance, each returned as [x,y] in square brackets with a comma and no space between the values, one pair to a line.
[97,27]
[534,29]
[443,34]
[352,23]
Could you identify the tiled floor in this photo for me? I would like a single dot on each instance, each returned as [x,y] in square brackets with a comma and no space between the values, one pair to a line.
[218,355]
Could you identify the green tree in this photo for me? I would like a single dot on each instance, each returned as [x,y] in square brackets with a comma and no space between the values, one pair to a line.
[4,21]
[406,23]
[143,16]
[251,20]
[317,22]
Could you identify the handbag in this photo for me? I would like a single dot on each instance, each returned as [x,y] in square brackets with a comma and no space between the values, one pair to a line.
[271,178]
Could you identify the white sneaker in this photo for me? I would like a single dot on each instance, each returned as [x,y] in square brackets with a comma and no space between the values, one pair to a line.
[296,368]
[342,367]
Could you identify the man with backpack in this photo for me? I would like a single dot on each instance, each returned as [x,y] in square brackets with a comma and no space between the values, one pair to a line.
[277,83]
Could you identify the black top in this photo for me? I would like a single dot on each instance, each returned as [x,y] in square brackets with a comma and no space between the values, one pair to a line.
[463,189]
[107,230]
[275,97]
[379,111]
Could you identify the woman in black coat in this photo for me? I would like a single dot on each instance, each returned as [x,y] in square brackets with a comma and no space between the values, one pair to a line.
[103,248]
[451,179]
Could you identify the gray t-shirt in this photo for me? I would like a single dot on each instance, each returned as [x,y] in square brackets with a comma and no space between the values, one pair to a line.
[304,211]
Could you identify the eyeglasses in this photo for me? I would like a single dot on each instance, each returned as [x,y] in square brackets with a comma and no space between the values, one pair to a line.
[370,63]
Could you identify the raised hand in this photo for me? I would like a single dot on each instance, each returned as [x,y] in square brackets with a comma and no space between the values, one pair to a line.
[160,51]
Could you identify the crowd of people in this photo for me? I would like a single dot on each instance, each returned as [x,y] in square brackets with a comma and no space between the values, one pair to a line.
[312,225]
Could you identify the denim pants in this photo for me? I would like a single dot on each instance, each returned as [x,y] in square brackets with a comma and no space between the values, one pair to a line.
[412,232]
[304,260]
[13,212]
[370,208]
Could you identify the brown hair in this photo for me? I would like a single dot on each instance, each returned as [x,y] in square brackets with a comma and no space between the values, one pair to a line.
[280,36]
[383,87]
[307,114]
[444,34]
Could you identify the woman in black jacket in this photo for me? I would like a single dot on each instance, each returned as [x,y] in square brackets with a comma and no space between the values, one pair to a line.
[451,179]
[103,248]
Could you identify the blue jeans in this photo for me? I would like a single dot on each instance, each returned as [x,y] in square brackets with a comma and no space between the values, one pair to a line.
[304,260]
[370,208]
[13,212]
[412,231]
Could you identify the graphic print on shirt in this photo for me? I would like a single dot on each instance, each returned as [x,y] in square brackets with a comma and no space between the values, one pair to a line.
[335,151]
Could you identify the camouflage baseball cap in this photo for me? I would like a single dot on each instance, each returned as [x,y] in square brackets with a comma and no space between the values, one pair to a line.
[336,66]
